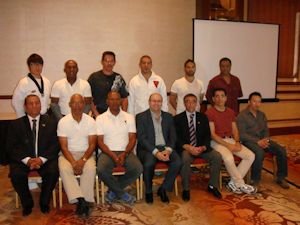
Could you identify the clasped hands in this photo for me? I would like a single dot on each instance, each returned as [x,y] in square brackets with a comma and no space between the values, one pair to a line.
[34,163]
[196,150]
[78,166]
[119,159]
[163,155]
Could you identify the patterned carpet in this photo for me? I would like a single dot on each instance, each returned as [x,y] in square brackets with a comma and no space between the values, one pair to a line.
[271,206]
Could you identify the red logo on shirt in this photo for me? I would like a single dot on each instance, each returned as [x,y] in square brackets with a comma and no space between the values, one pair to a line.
[155,83]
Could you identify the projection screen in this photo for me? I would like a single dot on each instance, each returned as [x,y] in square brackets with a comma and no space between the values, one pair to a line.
[252,48]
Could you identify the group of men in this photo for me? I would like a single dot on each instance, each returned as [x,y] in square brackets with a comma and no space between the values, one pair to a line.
[125,118]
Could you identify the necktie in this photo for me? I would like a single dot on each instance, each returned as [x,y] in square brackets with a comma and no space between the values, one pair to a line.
[192,131]
[34,134]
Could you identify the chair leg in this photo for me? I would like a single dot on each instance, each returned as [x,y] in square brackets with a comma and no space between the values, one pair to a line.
[60,192]
[138,189]
[221,181]
[141,187]
[17,200]
[102,191]
[54,198]
[97,190]
[176,187]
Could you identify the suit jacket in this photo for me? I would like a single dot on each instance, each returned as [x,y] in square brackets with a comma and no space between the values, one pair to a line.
[20,140]
[146,132]
[182,129]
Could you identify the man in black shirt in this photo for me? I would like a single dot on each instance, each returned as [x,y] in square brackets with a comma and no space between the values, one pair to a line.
[104,81]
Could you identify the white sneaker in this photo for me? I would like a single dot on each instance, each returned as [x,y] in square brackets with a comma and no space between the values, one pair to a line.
[248,189]
[231,187]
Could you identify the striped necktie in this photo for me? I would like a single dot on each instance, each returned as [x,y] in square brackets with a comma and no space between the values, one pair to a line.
[192,131]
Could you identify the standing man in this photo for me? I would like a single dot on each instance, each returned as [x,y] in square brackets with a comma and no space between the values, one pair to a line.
[33,146]
[254,132]
[193,140]
[230,83]
[63,89]
[104,81]
[33,83]
[185,85]
[116,138]
[141,86]
[77,137]
[156,142]
[226,141]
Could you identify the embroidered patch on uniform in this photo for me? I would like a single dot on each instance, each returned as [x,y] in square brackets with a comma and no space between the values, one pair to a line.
[156,83]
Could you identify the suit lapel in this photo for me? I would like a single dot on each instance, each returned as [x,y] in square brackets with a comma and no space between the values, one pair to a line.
[28,133]
[151,125]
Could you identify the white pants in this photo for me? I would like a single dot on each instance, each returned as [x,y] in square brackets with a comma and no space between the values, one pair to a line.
[85,188]
[236,173]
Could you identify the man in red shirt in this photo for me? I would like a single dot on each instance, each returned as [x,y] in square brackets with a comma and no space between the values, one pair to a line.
[230,83]
[226,141]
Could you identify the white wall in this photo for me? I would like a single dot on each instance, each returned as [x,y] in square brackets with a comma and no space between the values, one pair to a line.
[83,29]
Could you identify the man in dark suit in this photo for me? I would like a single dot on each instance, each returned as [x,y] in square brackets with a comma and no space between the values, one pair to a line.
[156,142]
[194,141]
[33,145]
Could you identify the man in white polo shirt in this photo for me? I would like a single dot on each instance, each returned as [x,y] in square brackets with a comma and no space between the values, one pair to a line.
[77,137]
[188,84]
[116,138]
[63,89]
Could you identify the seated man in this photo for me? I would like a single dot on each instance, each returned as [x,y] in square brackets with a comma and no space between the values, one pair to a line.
[33,146]
[193,140]
[156,141]
[254,133]
[226,140]
[116,138]
[77,136]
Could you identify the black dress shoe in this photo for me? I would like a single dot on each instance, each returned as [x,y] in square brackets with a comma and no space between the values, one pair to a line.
[27,211]
[81,207]
[163,195]
[149,198]
[186,196]
[214,191]
[45,209]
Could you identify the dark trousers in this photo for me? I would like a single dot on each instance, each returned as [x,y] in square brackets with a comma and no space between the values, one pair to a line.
[275,149]
[105,166]
[19,178]
[214,159]
[149,160]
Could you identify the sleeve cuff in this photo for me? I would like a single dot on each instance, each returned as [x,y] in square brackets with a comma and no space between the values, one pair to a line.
[25,160]
[154,151]
[43,159]
[169,149]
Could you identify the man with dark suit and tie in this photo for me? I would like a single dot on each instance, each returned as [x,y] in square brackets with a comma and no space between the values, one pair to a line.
[193,140]
[156,142]
[33,145]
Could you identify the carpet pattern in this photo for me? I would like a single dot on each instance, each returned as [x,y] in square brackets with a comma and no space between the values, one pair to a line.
[271,206]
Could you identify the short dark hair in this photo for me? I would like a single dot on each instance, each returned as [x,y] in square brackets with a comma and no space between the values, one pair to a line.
[189,95]
[189,61]
[255,93]
[224,59]
[218,89]
[29,96]
[108,53]
[35,58]
[145,56]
